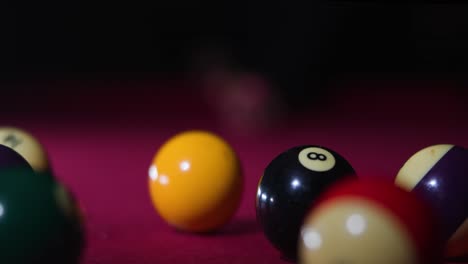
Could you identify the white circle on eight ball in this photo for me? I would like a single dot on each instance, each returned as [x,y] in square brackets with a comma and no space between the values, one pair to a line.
[317,159]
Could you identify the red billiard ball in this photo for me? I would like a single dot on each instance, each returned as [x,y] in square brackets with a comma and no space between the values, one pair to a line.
[370,222]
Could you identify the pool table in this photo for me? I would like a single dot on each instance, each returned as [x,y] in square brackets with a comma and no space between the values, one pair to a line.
[101,137]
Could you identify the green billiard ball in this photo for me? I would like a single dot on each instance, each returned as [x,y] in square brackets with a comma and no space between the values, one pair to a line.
[39,220]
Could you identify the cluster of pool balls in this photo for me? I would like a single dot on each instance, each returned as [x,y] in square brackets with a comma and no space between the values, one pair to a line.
[310,202]
[40,219]
[312,205]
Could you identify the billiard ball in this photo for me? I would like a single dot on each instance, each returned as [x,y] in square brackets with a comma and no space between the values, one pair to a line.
[9,158]
[195,181]
[290,183]
[74,235]
[69,204]
[370,221]
[439,174]
[26,145]
[37,221]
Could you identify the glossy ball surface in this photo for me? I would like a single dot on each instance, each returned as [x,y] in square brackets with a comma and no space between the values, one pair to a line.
[38,220]
[370,222]
[11,159]
[196,182]
[290,184]
[26,145]
[439,174]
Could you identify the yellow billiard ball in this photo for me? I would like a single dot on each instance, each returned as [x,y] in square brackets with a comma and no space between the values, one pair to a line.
[195,181]
[26,145]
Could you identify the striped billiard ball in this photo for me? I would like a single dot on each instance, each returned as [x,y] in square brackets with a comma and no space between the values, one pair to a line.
[370,222]
[11,159]
[439,174]
[25,144]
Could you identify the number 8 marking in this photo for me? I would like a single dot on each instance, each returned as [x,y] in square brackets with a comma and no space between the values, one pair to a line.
[316,159]
[316,156]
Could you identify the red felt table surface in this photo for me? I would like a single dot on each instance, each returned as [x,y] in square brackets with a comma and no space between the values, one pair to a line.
[104,158]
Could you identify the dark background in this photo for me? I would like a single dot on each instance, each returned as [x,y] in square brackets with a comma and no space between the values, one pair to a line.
[153,36]
[299,46]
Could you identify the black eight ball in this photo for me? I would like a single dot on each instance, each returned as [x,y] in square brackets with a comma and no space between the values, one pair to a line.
[288,187]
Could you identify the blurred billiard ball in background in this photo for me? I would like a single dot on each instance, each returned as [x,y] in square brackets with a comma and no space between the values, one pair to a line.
[11,159]
[26,145]
[40,221]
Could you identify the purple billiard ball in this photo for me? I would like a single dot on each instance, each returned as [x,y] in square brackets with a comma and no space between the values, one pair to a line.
[439,174]
[11,159]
